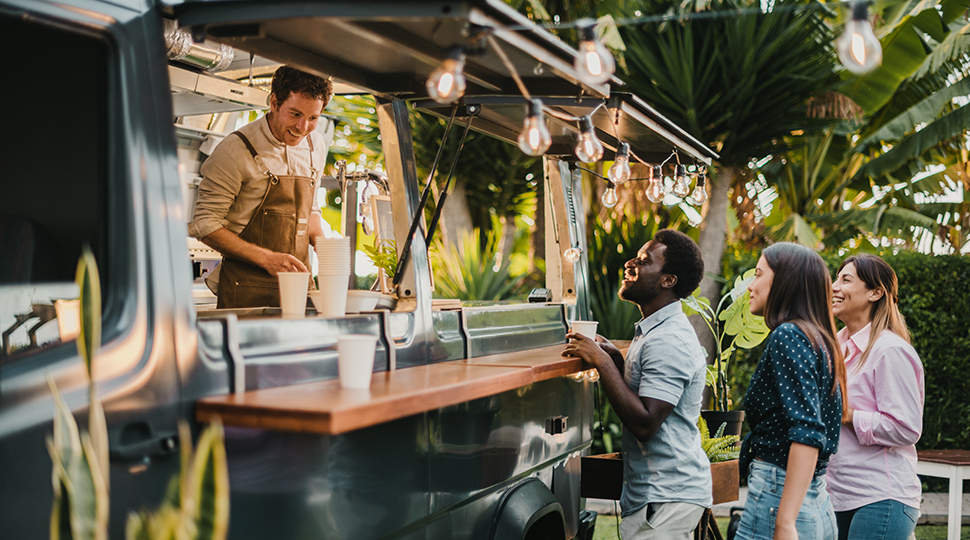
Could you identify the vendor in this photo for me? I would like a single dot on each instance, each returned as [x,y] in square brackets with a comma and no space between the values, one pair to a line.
[257,203]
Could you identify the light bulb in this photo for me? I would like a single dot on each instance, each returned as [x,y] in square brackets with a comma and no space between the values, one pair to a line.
[620,170]
[609,198]
[447,83]
[591,375]
[534,139]
[589,149]
[681,182]
[572,254]
[655,189]
[579,376]
[594,64]
[859,48]
[700,190]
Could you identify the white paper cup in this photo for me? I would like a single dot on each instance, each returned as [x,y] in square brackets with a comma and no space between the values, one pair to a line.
[586,328]
[293,287]
[330,298]
[355,360]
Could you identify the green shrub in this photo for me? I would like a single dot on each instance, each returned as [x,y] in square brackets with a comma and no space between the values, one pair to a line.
[469,272]
[934,297]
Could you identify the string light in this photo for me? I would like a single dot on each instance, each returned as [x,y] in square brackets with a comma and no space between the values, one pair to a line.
[620,170]
[594,64]
[447,83]
[655,189]
[535,138]
[589,149]
[699,195]
[859,48]
[572,254]
[681,181]
[609,198]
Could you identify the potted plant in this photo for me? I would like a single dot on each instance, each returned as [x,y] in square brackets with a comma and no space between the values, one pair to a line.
[735,326]
[196,503]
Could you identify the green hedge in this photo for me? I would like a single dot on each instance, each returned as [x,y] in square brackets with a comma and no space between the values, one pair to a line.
[934,297]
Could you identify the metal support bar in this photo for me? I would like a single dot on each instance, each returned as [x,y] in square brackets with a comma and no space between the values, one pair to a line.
[348,222]
[389,345]
[234,357]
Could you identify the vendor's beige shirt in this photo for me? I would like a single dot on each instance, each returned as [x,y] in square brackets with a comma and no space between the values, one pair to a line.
[232,185]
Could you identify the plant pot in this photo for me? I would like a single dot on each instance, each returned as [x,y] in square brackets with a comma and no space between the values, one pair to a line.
[733,419]
[601,477]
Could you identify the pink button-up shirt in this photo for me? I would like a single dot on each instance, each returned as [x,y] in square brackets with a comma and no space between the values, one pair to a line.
[877,459]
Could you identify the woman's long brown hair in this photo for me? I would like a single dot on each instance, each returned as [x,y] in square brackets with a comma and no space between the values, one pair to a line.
[801,293]
[877,274]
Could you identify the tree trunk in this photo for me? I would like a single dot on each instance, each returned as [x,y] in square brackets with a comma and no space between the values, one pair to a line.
[711,241]
[455,217]
[507,242]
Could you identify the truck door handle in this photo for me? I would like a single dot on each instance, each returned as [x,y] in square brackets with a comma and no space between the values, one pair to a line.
[147,448]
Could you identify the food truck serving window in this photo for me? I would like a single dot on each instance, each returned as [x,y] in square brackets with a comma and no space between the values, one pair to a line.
[53,179]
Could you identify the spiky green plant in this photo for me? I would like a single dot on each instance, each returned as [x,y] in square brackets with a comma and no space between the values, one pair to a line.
[197,504]
[470,272]
[720,447]
[80,459]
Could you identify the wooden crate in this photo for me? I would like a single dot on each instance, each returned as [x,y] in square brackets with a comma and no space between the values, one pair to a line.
[602,478]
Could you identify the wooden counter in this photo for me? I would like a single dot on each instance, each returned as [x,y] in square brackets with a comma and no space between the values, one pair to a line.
[324,407]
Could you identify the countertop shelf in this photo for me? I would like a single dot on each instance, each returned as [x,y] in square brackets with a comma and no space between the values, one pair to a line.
[324,407]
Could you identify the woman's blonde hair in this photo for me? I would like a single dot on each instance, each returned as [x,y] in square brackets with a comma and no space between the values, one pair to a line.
[877,274]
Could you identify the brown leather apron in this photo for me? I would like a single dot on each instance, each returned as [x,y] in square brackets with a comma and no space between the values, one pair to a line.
[279,224]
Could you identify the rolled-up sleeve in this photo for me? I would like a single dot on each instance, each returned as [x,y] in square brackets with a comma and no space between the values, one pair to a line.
[221,183]
[797,379]
[895,376]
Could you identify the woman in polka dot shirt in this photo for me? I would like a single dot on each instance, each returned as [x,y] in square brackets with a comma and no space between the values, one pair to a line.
[794,400]
[872,480]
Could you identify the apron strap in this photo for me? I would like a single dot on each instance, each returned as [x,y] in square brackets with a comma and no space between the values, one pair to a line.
[259,161]
[313,170]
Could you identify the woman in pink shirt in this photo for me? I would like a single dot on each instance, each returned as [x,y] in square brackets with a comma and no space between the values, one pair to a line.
[872,479]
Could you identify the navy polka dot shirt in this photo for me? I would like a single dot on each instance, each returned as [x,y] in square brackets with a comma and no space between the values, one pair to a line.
[790,400]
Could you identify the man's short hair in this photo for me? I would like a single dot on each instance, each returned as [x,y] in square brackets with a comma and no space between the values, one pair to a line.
[288,80]
[683,259]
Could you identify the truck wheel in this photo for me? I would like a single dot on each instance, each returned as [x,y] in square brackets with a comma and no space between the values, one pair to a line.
[528,511]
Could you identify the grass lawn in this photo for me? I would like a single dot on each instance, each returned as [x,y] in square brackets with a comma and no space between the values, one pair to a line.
[606,530]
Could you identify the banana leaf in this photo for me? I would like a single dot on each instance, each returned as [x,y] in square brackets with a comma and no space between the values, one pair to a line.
[904,51]
[953,47]
[925,111]
[912,147]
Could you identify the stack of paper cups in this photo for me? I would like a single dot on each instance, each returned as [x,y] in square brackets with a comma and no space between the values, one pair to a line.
[333,258]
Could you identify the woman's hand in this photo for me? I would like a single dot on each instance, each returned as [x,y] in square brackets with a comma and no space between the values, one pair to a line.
[785,531]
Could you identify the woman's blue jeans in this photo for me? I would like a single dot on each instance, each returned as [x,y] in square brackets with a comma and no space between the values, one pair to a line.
[815,521]
[883,520]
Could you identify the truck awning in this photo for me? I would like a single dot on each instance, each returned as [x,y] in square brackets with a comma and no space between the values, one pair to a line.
[389,48]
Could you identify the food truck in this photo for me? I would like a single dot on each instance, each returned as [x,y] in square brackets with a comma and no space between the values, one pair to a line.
[474,423]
